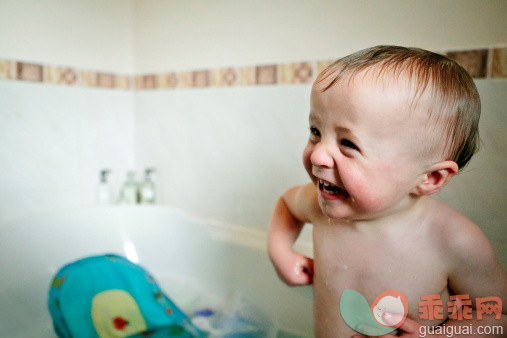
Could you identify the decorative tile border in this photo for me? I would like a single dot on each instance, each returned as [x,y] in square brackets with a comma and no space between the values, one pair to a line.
[68,76]
[474,61]
[29,72]
[499,63]
[480,63]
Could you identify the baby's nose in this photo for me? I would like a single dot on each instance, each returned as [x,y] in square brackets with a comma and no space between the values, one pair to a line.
[321,156]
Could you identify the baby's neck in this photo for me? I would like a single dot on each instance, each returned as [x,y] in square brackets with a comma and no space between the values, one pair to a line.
[411,211]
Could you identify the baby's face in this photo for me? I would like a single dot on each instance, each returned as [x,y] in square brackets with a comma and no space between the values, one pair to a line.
[363,152]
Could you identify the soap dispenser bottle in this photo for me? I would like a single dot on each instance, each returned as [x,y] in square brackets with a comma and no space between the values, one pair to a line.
[129,191]
[104,193]
[147,192]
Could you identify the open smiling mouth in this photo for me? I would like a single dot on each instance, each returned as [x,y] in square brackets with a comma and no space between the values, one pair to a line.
[331,192]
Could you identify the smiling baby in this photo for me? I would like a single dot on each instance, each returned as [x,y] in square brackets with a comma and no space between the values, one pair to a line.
[389,126]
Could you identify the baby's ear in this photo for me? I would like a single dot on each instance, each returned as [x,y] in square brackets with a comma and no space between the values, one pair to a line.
[437,176]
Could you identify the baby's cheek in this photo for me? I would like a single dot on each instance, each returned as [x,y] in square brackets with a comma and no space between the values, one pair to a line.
[367,196]
[306,160]
[371,202]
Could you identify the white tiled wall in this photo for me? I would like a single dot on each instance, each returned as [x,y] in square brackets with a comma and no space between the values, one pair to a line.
[53,142]
[187,34]
[93,34]
[224,153]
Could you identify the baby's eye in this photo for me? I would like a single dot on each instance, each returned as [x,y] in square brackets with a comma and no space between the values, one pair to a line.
[314,131]
[349,144]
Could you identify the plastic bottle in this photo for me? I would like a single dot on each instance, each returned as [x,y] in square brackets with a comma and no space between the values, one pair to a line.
[104,193]
[147,191]
[129,192]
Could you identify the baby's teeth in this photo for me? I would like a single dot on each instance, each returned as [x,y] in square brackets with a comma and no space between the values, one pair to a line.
[325,184]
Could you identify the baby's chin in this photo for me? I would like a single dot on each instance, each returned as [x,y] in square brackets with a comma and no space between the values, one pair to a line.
[345,212]
[333,211]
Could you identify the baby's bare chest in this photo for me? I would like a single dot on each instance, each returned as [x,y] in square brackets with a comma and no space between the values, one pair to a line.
[372,265]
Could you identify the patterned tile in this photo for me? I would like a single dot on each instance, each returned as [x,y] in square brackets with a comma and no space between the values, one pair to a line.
[322,65]
[122,82]
[149,81]
[474,61]
[105,80]
[6,71]
[167,80]
[160,81]
[172,80]
[479,63]
[228,76]
[287,73]
[139,83]
[186,80]
[499,63]
[266,74]
[296,73]
[248,76]
[68,76]
[51,74]
[223,77]
[29,72]
[200,78]
[214,77]
[88,79]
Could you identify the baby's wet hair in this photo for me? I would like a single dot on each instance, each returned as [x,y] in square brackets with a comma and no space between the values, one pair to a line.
[455,100]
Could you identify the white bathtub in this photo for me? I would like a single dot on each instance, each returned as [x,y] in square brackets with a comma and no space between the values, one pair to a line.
[182,253]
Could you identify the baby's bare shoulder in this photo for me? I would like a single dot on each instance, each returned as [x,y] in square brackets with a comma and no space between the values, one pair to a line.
[458,235]
[302,202]
[473,268]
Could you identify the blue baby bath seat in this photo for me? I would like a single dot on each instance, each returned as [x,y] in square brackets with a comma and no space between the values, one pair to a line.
[108,296]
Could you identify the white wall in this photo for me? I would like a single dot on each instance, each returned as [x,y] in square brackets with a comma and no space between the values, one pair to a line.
[224,153]
[55,139]
[89,34]
[193,34]
[53,142]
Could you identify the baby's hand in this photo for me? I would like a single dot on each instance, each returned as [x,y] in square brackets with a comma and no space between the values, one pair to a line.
[293,268]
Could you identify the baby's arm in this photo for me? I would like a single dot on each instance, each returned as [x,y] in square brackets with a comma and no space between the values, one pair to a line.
[477,272]
[289,217]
